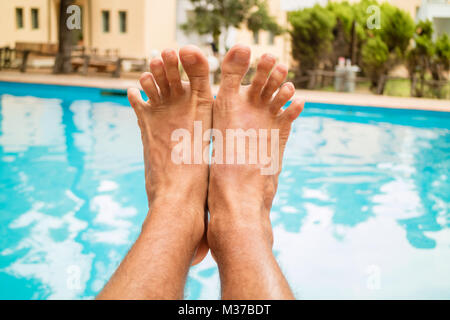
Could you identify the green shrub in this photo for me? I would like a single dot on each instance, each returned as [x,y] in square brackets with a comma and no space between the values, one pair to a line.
[321,34]
[397,29]
[441,61]
[428,62]
[311,35]
[375,55]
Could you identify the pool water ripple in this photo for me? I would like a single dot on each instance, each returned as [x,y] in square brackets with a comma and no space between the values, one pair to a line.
[362,209]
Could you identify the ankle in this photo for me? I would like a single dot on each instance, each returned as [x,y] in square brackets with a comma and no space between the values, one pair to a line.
[173,211]
[247,231]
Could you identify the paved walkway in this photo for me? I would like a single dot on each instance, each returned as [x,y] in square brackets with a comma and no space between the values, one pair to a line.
[357,99]
[369,100]
[68,80]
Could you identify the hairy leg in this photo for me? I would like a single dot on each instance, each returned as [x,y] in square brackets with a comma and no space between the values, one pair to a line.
[157,264]
[240,195]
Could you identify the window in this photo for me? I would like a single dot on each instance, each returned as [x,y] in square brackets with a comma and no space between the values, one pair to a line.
[122,21]
[106,22]
[271,38]
[35,18]
[256,37]
[19,18]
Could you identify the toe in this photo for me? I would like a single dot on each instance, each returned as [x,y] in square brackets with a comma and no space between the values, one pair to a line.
[172,72]
[263,69]
[285,93]
[196,66]
[277,77]
[293,111]
[151,90]
[135,99]
[234,67]
[157,69]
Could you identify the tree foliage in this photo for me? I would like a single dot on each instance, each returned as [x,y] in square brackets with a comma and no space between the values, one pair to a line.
[375,55]
[428,57]
[397,29]
[441,60]
[322,34]
[311,35]
[262,20]
[216,16]
[396,32]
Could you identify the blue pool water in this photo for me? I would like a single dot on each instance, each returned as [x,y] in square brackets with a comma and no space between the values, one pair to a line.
[362,209]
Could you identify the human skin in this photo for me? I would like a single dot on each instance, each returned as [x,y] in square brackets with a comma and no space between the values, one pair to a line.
[170,241]
[239,232]
[240,197]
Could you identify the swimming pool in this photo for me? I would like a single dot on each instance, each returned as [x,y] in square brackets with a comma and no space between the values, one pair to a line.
[362,209]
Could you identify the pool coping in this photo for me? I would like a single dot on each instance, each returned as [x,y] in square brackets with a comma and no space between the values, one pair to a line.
[375,101]
[336,98]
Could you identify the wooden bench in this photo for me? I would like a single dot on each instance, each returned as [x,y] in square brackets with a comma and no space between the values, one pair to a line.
[109,63]
[20,54]
[101,64]
[45,49]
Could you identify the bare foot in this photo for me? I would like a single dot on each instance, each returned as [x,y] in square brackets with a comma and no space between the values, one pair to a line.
[240,195]
[174,105]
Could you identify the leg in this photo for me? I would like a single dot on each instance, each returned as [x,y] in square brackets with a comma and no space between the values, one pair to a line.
[156,266]
[240,195]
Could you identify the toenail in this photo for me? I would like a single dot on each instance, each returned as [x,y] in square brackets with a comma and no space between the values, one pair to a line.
[145,76]
[290,86]
[189,59]
[156,62]
[281,68]
[167,52]
[241,56]
[269,57]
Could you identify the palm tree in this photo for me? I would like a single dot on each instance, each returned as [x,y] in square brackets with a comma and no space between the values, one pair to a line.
[63,58]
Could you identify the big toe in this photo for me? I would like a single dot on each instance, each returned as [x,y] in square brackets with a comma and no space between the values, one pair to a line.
[196,66]
[234,67]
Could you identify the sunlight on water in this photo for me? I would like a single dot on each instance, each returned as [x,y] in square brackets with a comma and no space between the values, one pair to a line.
[362,209]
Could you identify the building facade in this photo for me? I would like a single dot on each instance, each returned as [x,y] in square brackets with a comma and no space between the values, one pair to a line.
[143,28]
[437,11]
[131,29]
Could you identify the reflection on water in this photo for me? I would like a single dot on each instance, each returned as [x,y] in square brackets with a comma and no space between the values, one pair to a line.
[72,199]
[362,209]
